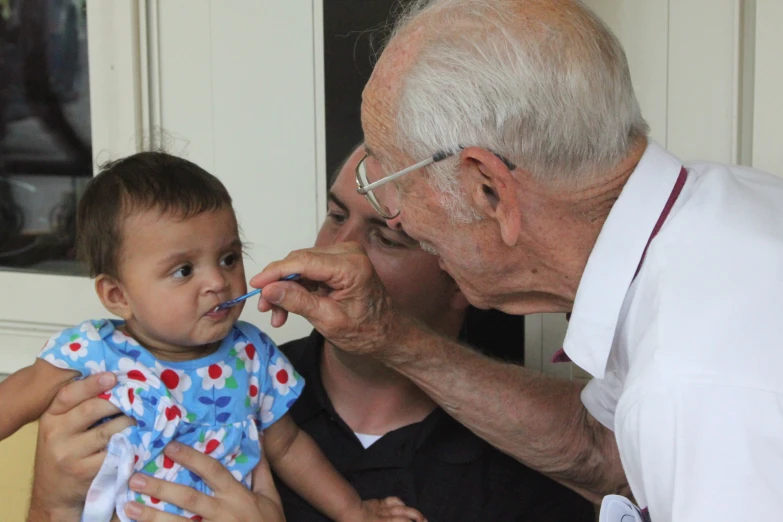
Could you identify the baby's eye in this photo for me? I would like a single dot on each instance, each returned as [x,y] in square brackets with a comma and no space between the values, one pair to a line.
[229,260]
[183,271]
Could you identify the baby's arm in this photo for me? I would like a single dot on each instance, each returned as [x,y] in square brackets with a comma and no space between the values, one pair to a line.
[299,462]
[27,393]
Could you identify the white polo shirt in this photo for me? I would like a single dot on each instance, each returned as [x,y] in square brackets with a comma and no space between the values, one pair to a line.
[688,356]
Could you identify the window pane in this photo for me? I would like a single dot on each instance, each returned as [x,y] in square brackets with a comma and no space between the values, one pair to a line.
[45,143]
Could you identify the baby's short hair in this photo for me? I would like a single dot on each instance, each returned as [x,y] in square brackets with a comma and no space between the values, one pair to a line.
[137,183]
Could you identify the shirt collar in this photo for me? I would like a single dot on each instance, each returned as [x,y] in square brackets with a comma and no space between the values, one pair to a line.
[438,434]
[613,261]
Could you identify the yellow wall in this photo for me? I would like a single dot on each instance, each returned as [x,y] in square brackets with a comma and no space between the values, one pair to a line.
[16,473]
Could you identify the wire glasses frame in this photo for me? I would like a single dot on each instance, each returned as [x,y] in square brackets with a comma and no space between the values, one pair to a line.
[367,188]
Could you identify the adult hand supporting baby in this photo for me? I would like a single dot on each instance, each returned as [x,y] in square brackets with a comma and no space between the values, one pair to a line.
[69,453]
[232,502]
[351,308]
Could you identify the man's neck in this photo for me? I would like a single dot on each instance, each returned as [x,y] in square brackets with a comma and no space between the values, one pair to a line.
[370,397]
[591,207]
[561,228]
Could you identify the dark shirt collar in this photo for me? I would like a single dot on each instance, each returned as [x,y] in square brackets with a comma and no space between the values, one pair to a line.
[438,434]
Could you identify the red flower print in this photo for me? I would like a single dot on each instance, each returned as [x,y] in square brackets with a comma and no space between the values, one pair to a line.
[283,376]
[176,381]
[215,376]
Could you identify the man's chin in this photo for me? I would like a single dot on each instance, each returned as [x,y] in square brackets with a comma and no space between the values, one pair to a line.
[476,301]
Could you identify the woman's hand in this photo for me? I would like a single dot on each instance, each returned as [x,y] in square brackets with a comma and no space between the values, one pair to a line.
[232,502]
[69,452]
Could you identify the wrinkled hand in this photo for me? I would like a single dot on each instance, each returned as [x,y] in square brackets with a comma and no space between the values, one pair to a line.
[351,307]
[68,452]
[232,502]
[390,509]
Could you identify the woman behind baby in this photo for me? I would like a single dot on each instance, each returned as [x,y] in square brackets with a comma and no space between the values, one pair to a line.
[161,239]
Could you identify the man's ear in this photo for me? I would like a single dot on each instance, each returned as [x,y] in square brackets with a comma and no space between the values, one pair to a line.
[493,190]
[112,296]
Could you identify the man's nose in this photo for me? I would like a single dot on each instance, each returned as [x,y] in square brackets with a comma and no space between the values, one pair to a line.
[348,232]
[395,223]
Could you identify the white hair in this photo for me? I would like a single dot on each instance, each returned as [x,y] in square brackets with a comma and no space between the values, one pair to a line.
[554,99]
[427,247]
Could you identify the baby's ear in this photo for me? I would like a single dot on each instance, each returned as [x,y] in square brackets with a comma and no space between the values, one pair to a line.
[112,296]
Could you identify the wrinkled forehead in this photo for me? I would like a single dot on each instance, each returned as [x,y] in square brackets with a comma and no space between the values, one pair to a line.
[381,95]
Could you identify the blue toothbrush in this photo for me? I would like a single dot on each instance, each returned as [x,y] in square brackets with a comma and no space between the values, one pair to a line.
[229,304]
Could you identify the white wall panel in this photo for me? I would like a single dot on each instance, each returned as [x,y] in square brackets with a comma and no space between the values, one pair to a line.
[703,79]
[237,86]
[643,29]
[768,99]
[186,78]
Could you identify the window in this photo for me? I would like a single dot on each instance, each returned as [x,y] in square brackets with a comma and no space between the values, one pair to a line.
[45,141]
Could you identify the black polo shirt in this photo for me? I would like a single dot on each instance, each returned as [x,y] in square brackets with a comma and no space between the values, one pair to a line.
[437,466]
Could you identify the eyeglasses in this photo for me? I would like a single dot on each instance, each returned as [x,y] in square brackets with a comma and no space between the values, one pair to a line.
[382,196]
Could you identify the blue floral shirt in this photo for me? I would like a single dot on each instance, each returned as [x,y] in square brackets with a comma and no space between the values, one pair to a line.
[217,404]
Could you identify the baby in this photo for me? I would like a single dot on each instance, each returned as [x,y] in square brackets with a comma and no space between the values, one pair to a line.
[162,241]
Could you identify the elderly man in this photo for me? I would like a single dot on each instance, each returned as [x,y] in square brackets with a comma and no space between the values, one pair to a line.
[533,178]
[382,432]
